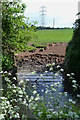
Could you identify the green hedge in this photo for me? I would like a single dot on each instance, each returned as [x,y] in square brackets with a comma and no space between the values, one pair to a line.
[72,59]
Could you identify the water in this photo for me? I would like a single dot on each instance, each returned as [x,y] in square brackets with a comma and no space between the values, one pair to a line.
[45,82]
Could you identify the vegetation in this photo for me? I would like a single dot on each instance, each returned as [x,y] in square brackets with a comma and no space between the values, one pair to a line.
[15,32]
[73,53]
[25,96]
[52,36]
[16,99]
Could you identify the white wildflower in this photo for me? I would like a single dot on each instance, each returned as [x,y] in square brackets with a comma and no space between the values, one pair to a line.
[49,116]
[46,91]
[31,105]
[34,92]
[72,73]
[13,85]
[39,113]
[53,64]
[68,75]
[27,96]
[17,73]
[78,95]
[74,86]
[1,89]
[23,89]
[58,66]
[34,72]
[21,96]
[52,85]
[24,102]
[65,93]
[55,113]
[77,116]
[60,93]
[7,102]
[17,115]
[74,102]
[54,89]
[19,99]
[2,116]
[51,69]
[27,80]
[9,73]
[31,97]
[61,112]
[57,73]
[71,113]
[34,86]
[14,78]
[21,81]
[70,100]
[48,65]
[1,72]
[5,72]
[42,90]
[65,105]
[46,71]
[20,92]
[61,70]
[14,91]
[41,74]
[37,98]
[73,81]
[3,98]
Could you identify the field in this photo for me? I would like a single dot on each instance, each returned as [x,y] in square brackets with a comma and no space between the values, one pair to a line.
[53,36]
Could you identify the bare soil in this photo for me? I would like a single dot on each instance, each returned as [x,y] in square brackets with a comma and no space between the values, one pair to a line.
[58,49]
[37,60]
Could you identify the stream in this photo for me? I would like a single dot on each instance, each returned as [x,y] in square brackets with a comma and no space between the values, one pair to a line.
[47,82]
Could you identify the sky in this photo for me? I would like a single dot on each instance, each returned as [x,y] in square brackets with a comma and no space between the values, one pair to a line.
[62,11]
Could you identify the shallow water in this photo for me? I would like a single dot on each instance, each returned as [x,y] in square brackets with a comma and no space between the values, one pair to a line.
[44,81]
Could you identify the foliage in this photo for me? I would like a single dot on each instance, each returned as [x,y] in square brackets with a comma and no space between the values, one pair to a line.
[73,52]
[15,32]
[7,61]
[44,106]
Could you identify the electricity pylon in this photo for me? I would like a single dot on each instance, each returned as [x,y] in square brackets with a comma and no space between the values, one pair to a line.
[43,14]
[53,22]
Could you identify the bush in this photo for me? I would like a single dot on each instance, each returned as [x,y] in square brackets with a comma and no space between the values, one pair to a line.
[72,59]
[15,32]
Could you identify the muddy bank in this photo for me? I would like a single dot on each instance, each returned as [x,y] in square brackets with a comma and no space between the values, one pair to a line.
[33,61]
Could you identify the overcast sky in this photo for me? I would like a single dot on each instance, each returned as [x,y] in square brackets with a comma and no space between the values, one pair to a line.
[63,11]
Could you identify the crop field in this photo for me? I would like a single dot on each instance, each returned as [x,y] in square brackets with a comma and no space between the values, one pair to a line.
[53,36]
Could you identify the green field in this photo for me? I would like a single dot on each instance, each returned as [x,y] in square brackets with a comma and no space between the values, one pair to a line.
[53,36]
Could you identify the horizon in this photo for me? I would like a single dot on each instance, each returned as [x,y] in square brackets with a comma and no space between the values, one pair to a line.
[63,12]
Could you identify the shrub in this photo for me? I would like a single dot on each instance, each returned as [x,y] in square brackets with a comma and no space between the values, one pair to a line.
[72,58]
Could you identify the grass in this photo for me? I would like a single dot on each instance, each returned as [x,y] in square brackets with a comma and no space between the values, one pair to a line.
[53,36]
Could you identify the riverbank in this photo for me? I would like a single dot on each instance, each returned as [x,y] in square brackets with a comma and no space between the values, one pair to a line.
[37,60]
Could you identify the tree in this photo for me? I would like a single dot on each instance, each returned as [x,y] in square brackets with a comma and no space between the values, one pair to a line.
[15,32]
[72,58]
